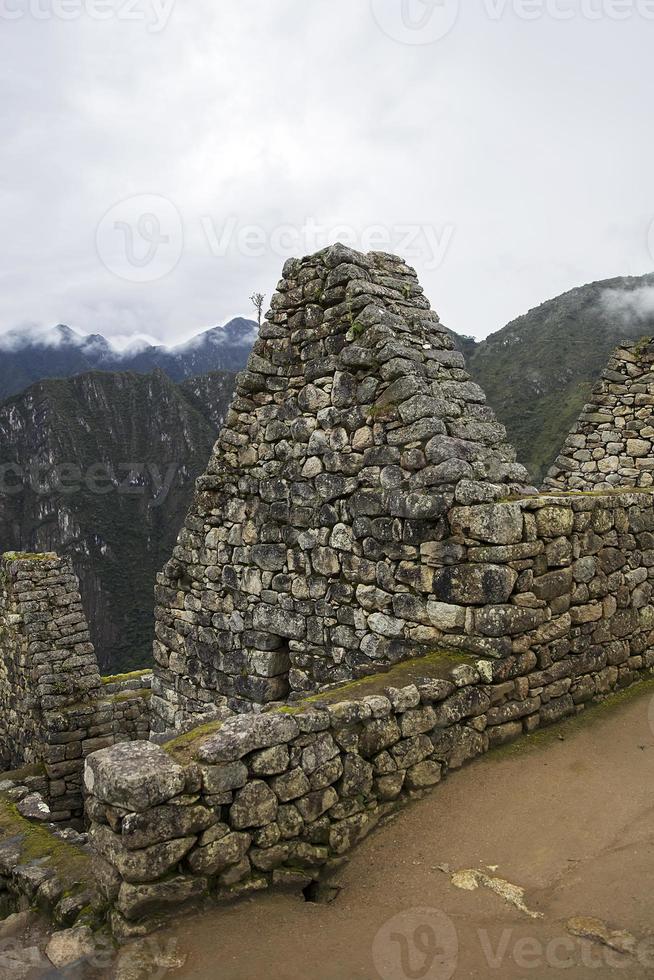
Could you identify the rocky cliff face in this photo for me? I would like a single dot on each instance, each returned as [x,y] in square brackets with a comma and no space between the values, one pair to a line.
[100,468]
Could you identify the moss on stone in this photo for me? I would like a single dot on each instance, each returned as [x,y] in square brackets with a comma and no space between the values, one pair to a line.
[27,556]
[181,749]
[72,865]
[133,675]
[144,693]
[578,494]
[436,665]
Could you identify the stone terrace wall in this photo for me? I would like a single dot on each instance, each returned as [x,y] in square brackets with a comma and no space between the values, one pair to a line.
[322,514]
[612,444]
[54,707]
[278,798]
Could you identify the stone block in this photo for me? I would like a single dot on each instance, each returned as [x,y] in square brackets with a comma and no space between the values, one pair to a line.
[133,775]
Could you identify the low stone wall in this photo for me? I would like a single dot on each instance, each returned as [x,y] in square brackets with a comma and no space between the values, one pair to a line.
[54,707]
[74,733]
[279,798]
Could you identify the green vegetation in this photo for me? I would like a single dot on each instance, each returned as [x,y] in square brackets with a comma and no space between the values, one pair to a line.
[118,540]
[144,693]
[133,675]
[436,665]
[539,370]
[356,330]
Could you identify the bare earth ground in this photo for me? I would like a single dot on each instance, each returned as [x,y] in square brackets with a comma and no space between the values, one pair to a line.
[568,817]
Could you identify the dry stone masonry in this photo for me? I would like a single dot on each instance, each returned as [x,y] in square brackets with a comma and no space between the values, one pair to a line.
[317,533]
[278,799]
[366,594]
[612,444]
[54,707]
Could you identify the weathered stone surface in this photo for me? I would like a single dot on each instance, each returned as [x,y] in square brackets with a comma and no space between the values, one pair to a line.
[377,735]
[224,778]
[270,762]
[244,734]
[313,805]
[254,806]
[138,901]
[144,865]
[508,620]
[133,775]
[490,523]
[164,823]
[71,946]
[219,855]
[357,777]
[422,775]
[290,785]
[474,585]
[34,807]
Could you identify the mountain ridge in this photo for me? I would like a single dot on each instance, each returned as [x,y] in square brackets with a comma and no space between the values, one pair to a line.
[101,467]
[29,357]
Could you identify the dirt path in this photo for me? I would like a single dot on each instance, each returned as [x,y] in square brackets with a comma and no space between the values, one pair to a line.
[570,821]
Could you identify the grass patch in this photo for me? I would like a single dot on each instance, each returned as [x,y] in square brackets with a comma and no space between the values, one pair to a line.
[144,693]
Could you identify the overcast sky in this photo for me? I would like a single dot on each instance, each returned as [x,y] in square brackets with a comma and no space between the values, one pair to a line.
[161,158]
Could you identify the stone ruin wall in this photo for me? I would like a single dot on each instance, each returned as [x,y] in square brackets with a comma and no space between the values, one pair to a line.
[612,444]
[279,798]
[55,708]
[318,533]
[361,508]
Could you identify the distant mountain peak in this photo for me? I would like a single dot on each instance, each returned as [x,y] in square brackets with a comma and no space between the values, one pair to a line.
[30,354]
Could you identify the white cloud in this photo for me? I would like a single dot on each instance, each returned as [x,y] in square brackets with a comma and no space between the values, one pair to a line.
[512,133]
[630,307]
